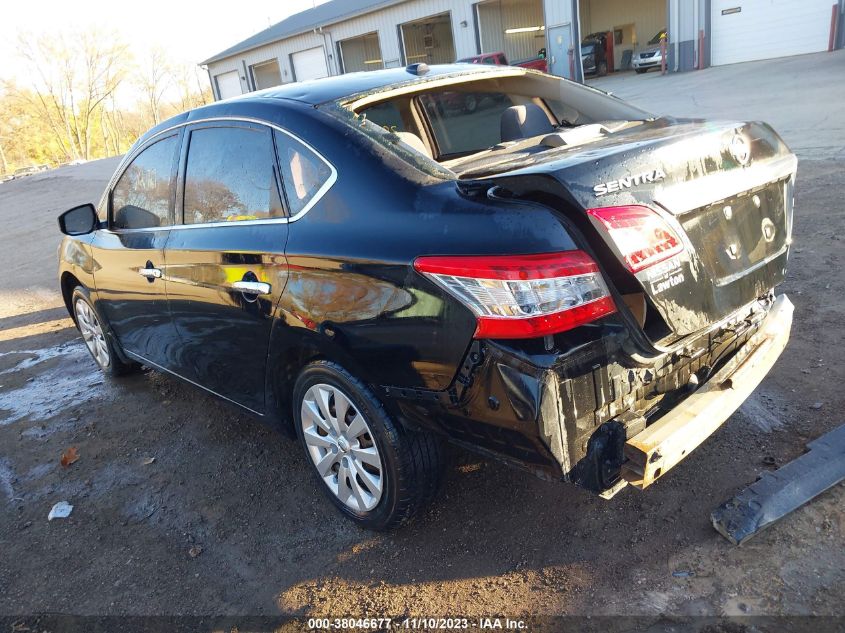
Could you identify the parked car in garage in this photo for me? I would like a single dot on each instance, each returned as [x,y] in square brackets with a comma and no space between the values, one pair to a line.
[594,57]
[651,57]
[564,282]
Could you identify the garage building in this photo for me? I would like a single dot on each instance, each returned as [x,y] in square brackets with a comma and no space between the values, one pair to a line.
[344,36]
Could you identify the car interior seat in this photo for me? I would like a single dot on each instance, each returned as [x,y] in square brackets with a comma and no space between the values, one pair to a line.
[524,121]
[414,142]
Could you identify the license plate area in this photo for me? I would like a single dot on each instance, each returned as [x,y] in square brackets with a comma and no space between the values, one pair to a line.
[734,237]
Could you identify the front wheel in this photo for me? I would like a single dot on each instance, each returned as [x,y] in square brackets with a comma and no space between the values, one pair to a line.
[94,334]
[640,71]
[375,471]
[602,70]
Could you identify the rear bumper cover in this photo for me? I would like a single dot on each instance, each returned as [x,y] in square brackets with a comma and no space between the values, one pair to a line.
[662,445]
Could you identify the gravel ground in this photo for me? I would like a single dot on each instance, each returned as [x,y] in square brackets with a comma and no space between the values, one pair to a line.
[183,505]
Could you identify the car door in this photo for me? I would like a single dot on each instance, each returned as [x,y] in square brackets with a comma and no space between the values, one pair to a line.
[129,253]
[226,266]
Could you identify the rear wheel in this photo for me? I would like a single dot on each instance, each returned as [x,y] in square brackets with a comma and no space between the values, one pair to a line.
[375,471]
[94,333]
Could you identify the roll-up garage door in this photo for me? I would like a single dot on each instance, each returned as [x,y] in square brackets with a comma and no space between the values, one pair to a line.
[228,84]
[309,64]
[746,30]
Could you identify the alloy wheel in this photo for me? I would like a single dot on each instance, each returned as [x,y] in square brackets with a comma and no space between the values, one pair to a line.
[92,332]
[341,445]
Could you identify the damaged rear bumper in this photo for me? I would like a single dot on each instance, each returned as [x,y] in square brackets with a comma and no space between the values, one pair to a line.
[593,414]
[662,445]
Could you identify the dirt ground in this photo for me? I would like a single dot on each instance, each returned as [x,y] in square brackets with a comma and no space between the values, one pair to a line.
[184,505]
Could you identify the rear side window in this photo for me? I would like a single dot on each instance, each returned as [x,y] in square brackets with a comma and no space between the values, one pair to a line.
[304,173]
[230,176]
[386,115]
[141,198]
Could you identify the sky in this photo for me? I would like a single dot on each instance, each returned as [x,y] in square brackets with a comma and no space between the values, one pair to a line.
[190,31]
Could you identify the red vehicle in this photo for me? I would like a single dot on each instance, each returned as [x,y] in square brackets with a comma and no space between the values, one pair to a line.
[499,59]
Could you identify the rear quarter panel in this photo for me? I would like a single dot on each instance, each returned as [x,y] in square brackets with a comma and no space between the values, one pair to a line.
[352,286]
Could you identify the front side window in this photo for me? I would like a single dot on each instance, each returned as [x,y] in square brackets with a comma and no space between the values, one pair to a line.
[304,173]
[141,198]
[230,176]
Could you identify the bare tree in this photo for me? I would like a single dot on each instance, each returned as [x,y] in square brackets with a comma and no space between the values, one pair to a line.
[154,77]
[71,81]
[75,102]
[192,86]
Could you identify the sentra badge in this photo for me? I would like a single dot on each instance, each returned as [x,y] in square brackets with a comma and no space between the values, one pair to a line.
[629,181]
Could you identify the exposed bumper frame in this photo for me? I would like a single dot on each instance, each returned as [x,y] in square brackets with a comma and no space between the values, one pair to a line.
[662,445]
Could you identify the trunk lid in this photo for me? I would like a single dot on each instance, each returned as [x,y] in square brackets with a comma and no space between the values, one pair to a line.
[724,187]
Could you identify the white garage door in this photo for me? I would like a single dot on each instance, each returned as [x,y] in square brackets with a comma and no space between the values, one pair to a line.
[762,29]
[228,84]
[310,64]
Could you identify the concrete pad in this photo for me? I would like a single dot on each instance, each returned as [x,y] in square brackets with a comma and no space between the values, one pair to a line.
[801,97]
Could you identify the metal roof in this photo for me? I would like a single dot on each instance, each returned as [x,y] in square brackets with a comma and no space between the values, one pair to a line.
[321,15]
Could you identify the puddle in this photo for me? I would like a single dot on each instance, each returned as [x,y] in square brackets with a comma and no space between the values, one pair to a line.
[37,472]
[45,430]
[6,478]
[72,381]
[36,356]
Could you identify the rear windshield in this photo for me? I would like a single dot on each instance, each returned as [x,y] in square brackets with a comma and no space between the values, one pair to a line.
[458,119]
[465,122]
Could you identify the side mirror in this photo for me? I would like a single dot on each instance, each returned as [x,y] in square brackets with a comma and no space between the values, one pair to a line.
[80,220]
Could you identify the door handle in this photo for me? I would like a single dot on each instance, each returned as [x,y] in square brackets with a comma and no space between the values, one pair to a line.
[253,287]
[150,273]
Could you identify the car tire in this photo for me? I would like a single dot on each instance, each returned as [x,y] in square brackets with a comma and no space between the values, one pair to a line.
[375,471]
[95,334]
[602,70]
[640,71]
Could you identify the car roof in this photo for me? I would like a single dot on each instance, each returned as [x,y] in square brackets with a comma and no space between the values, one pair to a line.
[264,104]
[317,91]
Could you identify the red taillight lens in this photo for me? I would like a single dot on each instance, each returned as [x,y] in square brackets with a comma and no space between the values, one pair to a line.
[640,234]
[523,296]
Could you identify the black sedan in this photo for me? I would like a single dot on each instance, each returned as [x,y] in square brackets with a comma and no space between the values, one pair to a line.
[557,279]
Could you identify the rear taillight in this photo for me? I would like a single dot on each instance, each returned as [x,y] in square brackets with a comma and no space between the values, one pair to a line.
[523,296]
[641,235]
